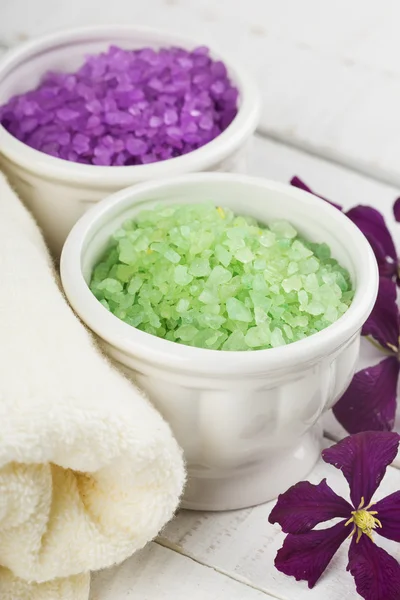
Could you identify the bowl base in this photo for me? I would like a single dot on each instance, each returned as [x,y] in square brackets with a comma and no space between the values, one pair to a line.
[256,485]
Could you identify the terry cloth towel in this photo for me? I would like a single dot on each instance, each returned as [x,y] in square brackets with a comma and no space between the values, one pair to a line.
[89,471]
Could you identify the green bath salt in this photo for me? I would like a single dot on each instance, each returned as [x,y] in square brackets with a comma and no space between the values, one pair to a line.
[199,275]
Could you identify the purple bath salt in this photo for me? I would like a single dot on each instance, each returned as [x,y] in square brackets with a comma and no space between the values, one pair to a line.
[126,107]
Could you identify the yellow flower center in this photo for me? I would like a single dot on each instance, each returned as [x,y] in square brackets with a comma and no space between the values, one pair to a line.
[221,212]
[364,521]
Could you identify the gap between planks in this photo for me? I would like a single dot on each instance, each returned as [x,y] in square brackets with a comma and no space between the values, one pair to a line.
[165,543]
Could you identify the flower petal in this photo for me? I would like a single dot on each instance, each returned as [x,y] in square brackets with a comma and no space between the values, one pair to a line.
[389,515]
[363,459]
[375,572]
[373,226]
[396,210]
[369,403]
[383,323]
[306,556]
[297,182]
[305,505]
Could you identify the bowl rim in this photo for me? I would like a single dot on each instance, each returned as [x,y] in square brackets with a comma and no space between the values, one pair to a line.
[178,357]
[230,140]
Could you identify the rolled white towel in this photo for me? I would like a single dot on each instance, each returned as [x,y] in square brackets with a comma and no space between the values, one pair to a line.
[89,471]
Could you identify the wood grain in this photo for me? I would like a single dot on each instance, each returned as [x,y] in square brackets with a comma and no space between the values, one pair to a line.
[157,573]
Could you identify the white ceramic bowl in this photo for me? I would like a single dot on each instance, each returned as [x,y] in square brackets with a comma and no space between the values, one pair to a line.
[244,419]
[57,191]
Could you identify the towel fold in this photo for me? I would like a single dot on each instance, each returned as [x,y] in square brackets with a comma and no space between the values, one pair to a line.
[89,471]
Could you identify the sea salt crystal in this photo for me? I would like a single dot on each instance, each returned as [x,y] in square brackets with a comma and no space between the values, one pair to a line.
[153,104]
[170,273]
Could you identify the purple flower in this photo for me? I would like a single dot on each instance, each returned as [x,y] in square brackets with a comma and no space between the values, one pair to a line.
[369,404]
[373,226]
[305,554]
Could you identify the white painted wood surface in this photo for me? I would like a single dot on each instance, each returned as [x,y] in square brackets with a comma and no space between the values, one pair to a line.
[329,72]
[330,80]
[156,573]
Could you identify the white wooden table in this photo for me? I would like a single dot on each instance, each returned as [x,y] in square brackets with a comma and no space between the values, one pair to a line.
[330,80]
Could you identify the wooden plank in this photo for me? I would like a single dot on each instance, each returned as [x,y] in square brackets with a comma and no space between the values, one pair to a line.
[243,544]
[157,573]
[342,185]
[328,73]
